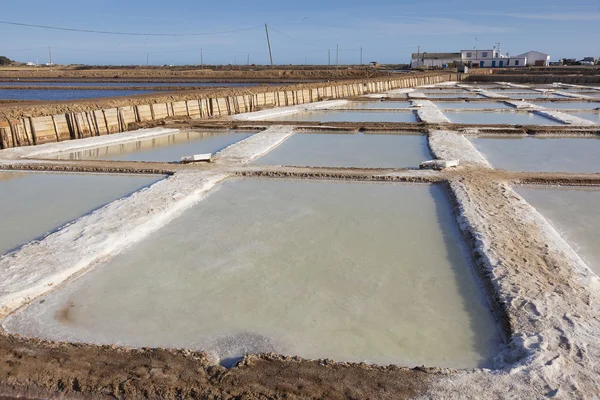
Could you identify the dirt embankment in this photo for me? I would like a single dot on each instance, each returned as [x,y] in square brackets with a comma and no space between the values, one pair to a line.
[150,74]
[43,108]
[45,369]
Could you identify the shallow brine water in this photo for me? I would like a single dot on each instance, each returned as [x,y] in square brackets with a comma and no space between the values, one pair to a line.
[348,271]
[573,213]
[57,95]
[464,95]
[499,118]
[127,84]
[375,104]
[568,105]
[166,148]
[472,104]
[590,116]
[532,95]
[347,116]
[350,150]
[542,154]
[33,204]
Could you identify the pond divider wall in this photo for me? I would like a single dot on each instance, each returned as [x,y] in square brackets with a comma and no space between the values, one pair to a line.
[27,131]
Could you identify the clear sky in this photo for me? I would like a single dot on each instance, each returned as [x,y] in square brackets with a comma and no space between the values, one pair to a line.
[301,30]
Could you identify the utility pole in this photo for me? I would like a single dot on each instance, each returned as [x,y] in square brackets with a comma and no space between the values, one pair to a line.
[305,58]
[50,54]
[248,61]
[201,60]
[147,59]
[361,59]
[337,55]
[269,43]
[328,56]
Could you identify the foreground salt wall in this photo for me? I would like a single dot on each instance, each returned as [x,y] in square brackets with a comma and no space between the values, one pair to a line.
[29,131]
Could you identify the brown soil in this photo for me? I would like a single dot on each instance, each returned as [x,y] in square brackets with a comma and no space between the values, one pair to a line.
[153,74]
[47,369]
[43,108]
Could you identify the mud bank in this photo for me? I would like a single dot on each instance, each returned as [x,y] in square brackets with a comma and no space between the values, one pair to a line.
[44,123]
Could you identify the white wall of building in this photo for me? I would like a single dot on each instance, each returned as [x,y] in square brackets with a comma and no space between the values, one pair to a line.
[438,62]
[534,56]
[516,62]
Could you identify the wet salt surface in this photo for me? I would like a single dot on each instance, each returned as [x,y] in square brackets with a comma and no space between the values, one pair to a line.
[501,118]
[33,204]
[574,215]
[56,95]
[465,94]
[348,271]
[542,154]
[127,84]
[350,150]
[166,148]
[471,104]
[348,116]
[568,105]
[591,116]
[375,104]
[533,95]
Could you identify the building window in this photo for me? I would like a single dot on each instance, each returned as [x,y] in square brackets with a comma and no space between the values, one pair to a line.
[484,54]
[516,62]
[469,55]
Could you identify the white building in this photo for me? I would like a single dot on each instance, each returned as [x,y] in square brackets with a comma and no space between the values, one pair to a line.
[536,58]
[480,58]
[516,62]
[432,60]
[484,58]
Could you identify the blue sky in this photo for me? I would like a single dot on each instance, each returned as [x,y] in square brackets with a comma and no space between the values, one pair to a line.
[301,31]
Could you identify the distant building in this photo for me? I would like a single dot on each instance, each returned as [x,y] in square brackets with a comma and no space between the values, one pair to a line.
[480,59]
[434,60]
[588,61]
[536,58]
[484,58]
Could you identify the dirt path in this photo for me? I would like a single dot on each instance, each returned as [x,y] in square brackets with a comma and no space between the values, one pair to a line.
[45,369]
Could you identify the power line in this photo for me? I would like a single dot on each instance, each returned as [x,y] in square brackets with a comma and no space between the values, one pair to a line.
[297,40]
[124,33]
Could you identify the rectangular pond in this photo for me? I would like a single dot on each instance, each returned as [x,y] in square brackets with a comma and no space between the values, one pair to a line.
[568,105]
[531,154]
[472,104]
[350,150]
[573,213]
[499,118]
[347,116]
[164,148]
[346,271]
[33,204]
[375,105]
[590,116]
[532,95]
[61,95]
[464,95]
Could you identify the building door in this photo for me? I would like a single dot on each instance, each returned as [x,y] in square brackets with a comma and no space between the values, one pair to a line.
[501,64]
[493,64]
[481,64]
